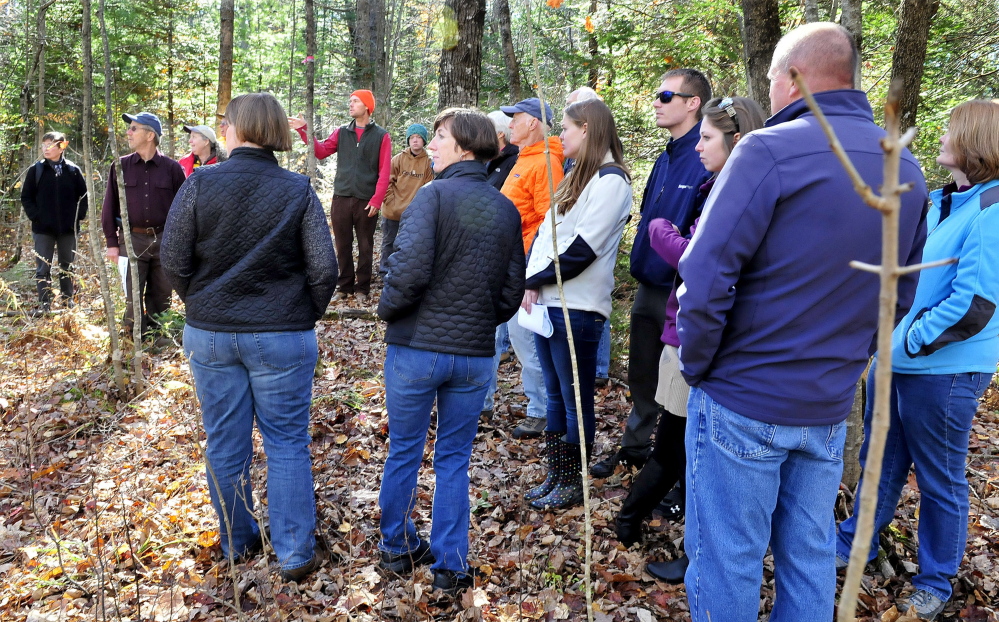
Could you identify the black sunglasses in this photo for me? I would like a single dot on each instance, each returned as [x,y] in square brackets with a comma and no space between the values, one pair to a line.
[728,106]
[666,97]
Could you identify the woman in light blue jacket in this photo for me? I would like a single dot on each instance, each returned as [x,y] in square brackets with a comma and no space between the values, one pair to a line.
[944,353]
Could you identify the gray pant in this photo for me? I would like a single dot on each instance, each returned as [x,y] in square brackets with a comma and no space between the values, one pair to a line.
[45,247]
[648,317]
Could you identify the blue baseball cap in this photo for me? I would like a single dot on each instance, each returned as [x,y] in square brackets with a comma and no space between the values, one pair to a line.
[531,106]
[145,118]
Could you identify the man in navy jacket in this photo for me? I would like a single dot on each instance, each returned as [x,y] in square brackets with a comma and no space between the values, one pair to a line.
[671,193]
[775,330]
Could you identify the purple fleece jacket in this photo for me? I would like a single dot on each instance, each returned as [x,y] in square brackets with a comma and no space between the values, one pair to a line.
[669,244]
[773,323]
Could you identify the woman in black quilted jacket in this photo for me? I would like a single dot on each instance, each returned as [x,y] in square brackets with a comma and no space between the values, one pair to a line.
[457,273]
[248,250]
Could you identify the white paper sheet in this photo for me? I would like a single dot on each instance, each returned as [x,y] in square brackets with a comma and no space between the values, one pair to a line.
[123,272]
[537,320]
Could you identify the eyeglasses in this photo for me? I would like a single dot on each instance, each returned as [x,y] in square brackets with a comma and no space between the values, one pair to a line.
[729,107]
[223,124]
[666,97]
[135,128]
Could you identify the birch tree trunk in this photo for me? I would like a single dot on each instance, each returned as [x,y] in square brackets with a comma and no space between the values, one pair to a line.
[126,229]
[310,85]
[92,220]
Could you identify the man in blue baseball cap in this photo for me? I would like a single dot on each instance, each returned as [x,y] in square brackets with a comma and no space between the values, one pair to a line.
[531,106]
[151,182]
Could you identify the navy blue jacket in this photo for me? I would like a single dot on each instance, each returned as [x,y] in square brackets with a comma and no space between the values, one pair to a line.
[773,322]
[670,193]
[458,268]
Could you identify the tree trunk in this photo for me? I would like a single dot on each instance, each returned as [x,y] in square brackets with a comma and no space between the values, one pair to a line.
[291,60]
[760,36]
[310,84]
[811,11]
[369,45]
[854,436]
[461,58]
[501,13]
[853,20]
[40,86]
[171,116]
[910,54]
[594,48]
[93,223]
[227,18]
[133,270]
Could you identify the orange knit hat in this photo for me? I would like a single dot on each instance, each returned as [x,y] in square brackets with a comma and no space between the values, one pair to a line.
[367,98]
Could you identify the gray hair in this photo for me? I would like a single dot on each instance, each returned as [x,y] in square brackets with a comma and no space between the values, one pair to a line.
[501,121]
[581,94]
[156,137]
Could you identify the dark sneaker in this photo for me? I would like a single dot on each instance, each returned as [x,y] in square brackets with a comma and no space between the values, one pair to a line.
[923,604]
[605,468]
[453,582]
[403,563]
[531,428]
[671,507]
[671,572]
[297,574]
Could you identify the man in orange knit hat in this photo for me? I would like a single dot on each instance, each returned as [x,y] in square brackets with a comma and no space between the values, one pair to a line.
[363,168]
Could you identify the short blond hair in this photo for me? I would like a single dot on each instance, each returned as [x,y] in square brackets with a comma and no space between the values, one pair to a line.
[260,119]
[974,139]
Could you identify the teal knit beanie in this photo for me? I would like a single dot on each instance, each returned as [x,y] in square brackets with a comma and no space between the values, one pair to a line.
[416,128]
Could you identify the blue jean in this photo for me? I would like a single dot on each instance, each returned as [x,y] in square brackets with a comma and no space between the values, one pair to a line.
[556,364]
[264,377]
[603,352]
[530,369]
[502,345]
[750,484]
[413,379]
[931,418]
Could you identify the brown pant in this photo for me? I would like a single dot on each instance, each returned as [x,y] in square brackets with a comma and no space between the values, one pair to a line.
[348,214]
[154,288]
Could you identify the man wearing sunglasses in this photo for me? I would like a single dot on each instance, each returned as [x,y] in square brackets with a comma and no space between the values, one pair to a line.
[671,193]
[775,330]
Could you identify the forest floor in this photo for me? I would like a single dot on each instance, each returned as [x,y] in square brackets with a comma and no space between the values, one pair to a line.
[104,510]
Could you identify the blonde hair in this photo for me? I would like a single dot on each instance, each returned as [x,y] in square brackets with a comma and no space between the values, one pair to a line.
[974,139]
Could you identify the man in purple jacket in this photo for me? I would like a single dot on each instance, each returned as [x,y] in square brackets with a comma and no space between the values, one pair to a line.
[775,329]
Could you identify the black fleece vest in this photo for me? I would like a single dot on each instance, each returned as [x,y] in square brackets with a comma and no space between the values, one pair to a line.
[357,162]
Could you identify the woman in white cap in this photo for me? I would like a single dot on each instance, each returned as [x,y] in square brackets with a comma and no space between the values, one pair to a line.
[205,148]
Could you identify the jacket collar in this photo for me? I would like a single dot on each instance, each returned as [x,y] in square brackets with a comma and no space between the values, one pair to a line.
[252,153]
[688,140]
[468,168]
[840,102]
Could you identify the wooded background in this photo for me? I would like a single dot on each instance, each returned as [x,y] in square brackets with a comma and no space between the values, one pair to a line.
[182,60]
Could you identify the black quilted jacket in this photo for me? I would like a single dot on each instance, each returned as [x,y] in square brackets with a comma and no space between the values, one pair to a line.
[247,247]
[458,268]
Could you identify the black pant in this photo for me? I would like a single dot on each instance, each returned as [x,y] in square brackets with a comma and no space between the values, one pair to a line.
[648,317]
[45,247]
[390,228]
[154,288]
[349,214]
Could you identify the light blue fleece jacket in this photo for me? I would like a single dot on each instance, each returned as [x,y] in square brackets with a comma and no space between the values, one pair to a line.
[953,326]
